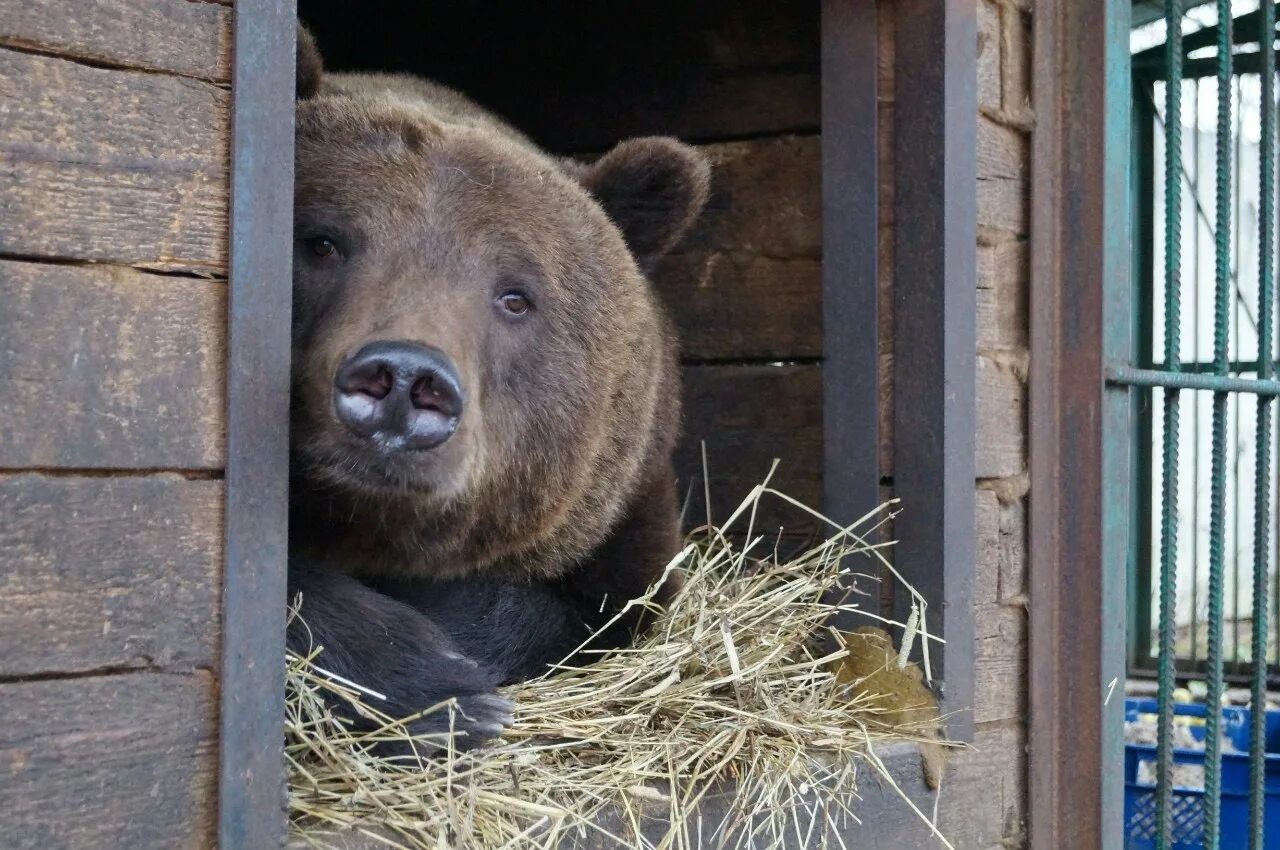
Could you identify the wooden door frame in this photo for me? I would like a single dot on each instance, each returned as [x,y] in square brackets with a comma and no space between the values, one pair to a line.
[935,179]
[252,803]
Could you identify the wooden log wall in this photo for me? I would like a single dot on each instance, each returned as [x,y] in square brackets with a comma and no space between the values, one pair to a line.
[113,250]
[739,78]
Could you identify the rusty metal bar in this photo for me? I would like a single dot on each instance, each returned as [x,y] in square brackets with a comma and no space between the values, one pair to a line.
[1080,322]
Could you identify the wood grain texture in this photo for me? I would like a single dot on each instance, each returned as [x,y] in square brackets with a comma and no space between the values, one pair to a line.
[111,165]
[1001,416]
[105,573]
[988,55]
[735,305]
[746,282]
[123,761]
[999,665]
[1003,157]
[178,36]
[748,416]
[986,528]
[1003,285]
[766,199]
[104,366]
[983,794]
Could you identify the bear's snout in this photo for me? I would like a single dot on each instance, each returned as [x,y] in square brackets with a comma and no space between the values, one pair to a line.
[400,395]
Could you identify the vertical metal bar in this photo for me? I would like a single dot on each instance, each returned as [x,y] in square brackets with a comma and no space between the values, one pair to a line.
[1169,449]
[1262,459]
[850,201]
[1217,482]
[935,306]
[1081,313]
[251,764]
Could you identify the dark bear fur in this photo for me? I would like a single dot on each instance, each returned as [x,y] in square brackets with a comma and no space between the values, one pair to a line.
[443,573]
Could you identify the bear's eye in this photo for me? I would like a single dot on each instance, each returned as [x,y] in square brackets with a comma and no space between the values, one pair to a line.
[322,247]
[515,303]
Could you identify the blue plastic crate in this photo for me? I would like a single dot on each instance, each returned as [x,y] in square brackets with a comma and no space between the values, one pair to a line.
[1188,815]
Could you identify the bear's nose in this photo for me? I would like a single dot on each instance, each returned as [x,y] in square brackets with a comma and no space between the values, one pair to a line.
[399,394]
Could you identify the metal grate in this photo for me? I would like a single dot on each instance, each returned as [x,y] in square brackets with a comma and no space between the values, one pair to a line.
[1228,66]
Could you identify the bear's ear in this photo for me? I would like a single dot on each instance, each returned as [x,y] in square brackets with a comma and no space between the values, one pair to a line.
[653,188]
[310,65]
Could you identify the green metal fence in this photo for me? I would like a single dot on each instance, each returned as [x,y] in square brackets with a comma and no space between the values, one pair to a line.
[1204,372]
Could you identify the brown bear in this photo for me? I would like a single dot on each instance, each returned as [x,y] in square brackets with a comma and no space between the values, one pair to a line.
[485,392]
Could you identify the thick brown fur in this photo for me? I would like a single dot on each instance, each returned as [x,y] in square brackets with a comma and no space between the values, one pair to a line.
[553,501]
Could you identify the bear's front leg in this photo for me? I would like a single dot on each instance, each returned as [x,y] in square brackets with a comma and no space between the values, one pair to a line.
[518,629]
[387,646]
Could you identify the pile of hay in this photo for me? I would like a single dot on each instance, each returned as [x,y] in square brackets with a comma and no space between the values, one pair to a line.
[732,685]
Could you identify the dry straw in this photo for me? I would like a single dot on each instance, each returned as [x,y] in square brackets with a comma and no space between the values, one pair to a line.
[732,688]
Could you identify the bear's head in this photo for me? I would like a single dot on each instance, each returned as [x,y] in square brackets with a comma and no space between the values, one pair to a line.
[482,373]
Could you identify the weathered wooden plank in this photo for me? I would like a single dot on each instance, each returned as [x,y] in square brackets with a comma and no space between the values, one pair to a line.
[747,416]
[1003,284]
[746,283]
[766,198]
[1001,415]
[983,796]
[111,761]
[112,165]
[157,35]
[988,55]
[1003,157]
[104,366]
[986,528]
[730,305]
[999,665]
[102,572]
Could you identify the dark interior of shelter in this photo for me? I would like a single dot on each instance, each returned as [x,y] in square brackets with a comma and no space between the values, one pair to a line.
[580,76]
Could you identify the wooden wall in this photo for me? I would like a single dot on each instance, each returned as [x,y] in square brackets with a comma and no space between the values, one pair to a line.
[113,258]
[741,79]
